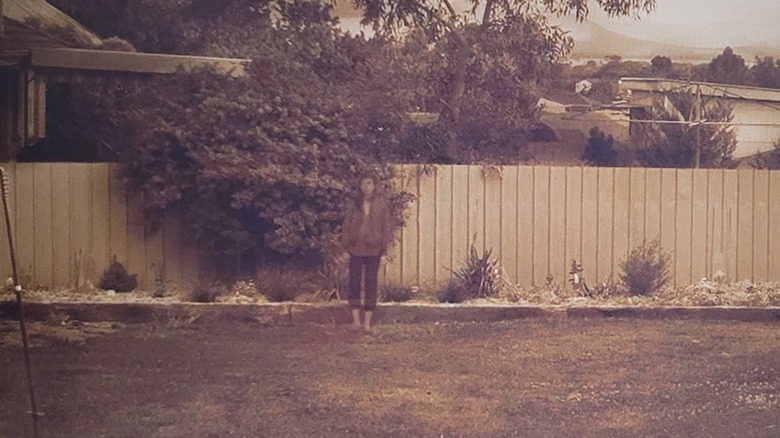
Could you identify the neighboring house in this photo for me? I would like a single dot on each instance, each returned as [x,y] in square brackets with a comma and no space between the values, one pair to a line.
[556,101]
[756,111]
[33,55]
[563,130]
[583,87]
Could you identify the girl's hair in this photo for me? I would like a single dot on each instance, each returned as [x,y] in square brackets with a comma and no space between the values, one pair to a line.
[378,189]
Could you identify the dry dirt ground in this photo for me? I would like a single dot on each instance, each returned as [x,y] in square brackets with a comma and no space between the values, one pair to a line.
[531,378]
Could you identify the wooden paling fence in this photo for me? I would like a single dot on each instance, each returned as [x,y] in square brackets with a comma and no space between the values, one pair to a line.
[537,219]
[69,219]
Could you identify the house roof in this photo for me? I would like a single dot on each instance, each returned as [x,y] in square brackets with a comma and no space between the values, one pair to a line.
[48,53]
[19,36]
[130,62]
[40,11]
[564,97]
[707,89]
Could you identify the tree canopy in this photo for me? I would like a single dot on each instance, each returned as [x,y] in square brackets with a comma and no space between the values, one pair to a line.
[727,68]
[498,19]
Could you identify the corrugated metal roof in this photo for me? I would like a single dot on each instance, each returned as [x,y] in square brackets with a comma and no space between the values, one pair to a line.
[41,11]
[707,89]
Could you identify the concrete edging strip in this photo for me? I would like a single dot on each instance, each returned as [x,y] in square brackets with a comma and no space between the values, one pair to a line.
[289,313]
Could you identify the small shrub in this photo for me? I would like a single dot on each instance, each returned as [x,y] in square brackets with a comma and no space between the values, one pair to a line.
[479,275]
[280,294]
[208,291]
[646,269]
[454,292]
[245,288]
[599,150]
[332,275]
[392,293]
[577,280]
[280,285]
[116,278]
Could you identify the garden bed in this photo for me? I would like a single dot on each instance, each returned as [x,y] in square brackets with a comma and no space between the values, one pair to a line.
[705,293]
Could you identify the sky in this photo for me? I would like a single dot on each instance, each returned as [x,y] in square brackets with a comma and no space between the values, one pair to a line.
[697,23]
[704,23]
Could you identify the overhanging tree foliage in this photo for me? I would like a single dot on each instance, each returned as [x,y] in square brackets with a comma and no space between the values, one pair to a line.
[497,18]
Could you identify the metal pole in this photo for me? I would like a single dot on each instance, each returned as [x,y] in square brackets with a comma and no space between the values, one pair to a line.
[697,106]
[18,290]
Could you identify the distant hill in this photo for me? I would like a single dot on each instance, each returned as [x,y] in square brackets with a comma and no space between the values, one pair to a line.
[593,41]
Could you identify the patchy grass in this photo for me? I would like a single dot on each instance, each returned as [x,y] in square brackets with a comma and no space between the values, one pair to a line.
[540,378]
[56,330]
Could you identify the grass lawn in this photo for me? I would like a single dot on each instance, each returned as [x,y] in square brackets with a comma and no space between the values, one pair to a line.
[531,378]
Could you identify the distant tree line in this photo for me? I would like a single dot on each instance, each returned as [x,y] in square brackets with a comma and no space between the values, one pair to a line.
[726,68]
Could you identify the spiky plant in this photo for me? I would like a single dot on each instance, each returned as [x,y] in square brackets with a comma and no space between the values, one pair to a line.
[480,274]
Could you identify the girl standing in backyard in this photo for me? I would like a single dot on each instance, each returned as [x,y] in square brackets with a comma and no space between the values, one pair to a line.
[366,235]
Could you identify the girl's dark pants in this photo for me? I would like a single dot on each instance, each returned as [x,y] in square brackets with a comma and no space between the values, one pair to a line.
[367,268]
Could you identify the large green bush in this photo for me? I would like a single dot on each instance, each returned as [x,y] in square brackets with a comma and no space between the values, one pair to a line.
[260,166]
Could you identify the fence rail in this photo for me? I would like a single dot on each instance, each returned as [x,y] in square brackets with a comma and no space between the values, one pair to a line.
[69,219]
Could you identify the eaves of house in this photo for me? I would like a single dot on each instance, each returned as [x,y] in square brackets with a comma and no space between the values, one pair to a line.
[45,53]
[728,91]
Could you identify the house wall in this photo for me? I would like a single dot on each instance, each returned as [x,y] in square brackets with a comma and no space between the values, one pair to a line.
[750,139]
[69,219]
[755,139]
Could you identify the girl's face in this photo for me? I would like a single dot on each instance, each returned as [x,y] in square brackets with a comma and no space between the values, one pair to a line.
[367,187]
